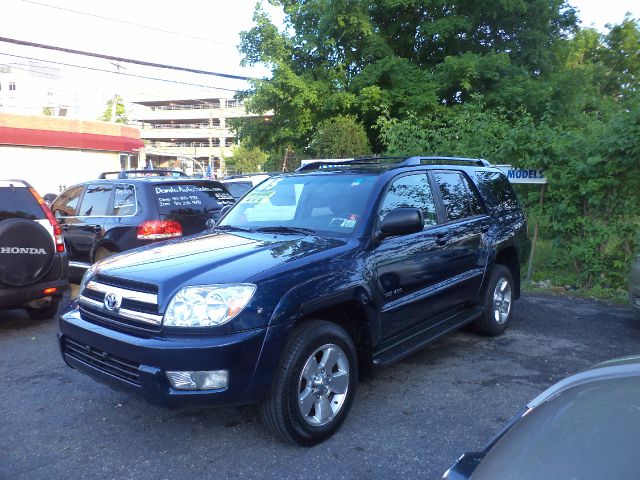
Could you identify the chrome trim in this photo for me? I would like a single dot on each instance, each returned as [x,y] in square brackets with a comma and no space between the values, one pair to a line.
[124,293]
[79,264]
[123,312]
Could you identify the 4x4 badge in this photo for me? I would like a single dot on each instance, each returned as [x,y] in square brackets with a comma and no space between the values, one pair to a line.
[112,301]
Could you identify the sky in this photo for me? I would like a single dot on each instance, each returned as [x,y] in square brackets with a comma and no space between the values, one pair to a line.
[216,23]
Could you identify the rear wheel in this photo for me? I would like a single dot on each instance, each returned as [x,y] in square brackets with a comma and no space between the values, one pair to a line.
[497,301]
[44,313]
[315,385]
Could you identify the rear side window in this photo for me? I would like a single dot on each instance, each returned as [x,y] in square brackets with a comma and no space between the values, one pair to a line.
[458,196]
[196,198]
[410,191]
[16,201]
[124,200]
[497,190]
[66,205]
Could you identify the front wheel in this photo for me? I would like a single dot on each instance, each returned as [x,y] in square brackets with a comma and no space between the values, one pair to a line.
[315,385]
[497,301]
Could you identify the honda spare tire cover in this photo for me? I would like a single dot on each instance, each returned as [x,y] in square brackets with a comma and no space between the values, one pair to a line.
[26,252]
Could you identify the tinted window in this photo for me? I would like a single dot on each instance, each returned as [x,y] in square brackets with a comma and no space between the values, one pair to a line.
[16,201]
[457,196]
[410,191]
[497,190]
[196,198]
[238,189]
[96,201]
[67,203]
[124,200]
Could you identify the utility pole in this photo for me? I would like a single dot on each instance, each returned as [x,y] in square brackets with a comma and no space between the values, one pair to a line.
[114,105]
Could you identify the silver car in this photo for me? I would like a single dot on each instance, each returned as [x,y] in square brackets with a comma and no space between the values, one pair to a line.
[634,283]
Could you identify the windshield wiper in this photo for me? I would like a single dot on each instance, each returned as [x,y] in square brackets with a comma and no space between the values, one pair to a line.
[232,228]
[284,229]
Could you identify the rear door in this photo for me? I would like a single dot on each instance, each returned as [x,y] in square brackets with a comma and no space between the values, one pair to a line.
[195,205]
[461,235]
[94,213]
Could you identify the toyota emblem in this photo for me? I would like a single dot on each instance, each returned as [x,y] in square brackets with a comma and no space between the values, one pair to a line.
[112,302]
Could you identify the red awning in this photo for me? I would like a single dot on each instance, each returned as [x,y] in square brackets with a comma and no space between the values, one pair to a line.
[82,141]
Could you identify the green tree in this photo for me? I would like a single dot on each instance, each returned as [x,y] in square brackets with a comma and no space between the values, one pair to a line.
[246,160]
[121,112]
[340,137]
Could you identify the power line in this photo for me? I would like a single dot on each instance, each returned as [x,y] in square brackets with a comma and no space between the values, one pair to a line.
[122,59]
[118,20]
[120,73]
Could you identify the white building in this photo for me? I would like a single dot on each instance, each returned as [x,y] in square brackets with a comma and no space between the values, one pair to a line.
[34,88]
[194,130]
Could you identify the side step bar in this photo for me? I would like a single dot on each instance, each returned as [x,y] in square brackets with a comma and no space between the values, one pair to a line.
[416,339]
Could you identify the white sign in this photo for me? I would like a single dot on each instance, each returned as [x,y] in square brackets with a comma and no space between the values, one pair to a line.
[523,175]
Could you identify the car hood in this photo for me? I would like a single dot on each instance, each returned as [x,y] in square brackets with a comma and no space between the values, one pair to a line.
[212,258]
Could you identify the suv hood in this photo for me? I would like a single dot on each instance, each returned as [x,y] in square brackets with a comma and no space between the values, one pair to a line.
[211,258]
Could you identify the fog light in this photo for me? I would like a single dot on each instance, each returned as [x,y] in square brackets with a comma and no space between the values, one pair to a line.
[207,380]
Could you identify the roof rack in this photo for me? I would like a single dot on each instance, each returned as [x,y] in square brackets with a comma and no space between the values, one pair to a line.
[394,162]
[143,173]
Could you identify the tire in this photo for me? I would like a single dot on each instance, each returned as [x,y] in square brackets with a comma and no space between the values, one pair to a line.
[497,300]
[27,252]
[310,421]
[102,253]
[46,312]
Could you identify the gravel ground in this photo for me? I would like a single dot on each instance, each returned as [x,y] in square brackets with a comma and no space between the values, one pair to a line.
[410,420]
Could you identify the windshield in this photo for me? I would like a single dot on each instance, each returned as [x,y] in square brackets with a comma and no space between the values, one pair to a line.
[320,203]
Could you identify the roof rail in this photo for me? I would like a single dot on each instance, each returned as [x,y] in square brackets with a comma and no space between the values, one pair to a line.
[414,161]
[394,162]
[142,173]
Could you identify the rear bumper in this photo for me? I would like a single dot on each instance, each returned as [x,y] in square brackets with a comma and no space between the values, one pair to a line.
[16,297]
[146,360]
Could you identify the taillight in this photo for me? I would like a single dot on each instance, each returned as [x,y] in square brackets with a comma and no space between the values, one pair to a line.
[57,231]
[159,229]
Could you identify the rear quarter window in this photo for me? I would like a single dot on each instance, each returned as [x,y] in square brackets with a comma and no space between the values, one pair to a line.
[16,201]
[190,198]
[497,191]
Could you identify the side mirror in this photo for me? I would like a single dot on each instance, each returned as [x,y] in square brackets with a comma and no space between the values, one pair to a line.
[402,221]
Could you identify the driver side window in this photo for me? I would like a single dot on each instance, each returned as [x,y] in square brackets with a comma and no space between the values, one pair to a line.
[410,191]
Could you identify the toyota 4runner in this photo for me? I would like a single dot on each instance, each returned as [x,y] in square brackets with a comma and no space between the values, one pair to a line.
[311,278]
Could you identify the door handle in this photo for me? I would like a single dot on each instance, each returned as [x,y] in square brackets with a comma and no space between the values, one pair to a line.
[441,239]
[484,227]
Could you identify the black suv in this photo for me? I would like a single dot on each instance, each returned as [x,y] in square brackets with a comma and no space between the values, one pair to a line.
[310,278]
[33,261]
[110,215]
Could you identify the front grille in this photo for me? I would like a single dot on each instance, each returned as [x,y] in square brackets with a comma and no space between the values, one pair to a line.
[103,361]
[121,301]
[635,299]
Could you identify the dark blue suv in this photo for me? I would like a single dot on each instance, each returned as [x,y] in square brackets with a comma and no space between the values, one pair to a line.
[309,279]
[128,209]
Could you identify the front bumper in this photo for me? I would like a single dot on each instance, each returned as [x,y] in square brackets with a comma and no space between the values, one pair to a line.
[137,365]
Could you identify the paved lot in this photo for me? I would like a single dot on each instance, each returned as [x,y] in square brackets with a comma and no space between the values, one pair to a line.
[410,421]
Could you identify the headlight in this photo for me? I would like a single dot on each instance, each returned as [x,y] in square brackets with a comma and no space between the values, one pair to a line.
[207,305]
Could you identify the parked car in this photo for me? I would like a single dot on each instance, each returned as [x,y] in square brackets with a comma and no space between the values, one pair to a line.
[239,185]
[33,260]
[584,427]
[634,283]
[125,210]
[310,278]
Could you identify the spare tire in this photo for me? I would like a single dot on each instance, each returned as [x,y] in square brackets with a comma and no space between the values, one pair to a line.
[26,252]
